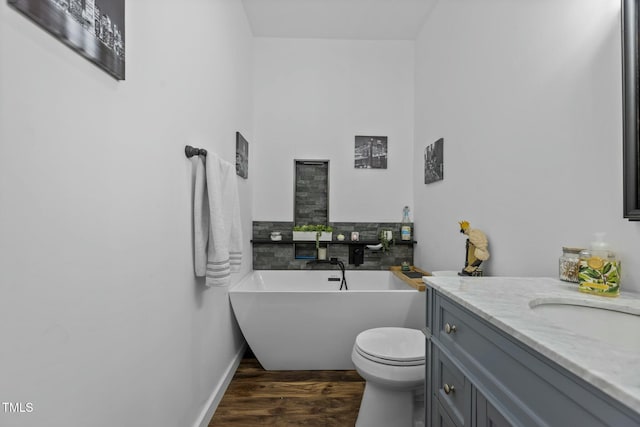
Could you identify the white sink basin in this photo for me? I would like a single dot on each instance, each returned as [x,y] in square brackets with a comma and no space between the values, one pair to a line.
[610,323]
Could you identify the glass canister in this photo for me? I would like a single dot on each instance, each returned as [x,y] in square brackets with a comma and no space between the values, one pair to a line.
[599,269]
[569,264]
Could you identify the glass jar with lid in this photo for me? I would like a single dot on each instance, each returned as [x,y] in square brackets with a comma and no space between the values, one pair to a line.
[569,264]
[599,272]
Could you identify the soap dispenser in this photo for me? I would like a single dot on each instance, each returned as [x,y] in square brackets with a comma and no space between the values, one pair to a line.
[599,269]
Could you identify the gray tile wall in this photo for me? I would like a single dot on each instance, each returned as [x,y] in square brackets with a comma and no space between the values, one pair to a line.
[311,192]
[281,256]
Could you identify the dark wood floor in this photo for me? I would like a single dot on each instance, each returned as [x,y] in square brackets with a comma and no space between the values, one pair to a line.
[256,397]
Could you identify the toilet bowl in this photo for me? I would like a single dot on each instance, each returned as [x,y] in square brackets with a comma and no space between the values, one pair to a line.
[392,361]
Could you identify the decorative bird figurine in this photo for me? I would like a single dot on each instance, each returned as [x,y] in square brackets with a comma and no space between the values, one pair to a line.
[477,252]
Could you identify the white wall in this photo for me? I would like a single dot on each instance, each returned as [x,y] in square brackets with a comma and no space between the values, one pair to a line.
[101,320]
[527,96]
[311,98]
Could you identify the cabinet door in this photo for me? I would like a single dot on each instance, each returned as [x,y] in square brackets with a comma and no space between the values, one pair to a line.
[487,415]
[442,419]
[451,389]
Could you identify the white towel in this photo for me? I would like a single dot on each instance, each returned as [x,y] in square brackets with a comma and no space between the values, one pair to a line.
[200,218]
[217,221]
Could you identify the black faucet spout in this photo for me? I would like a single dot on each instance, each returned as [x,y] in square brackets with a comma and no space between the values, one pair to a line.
[333,261]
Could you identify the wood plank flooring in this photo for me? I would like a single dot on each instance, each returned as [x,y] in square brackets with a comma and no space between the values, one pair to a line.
[256,397]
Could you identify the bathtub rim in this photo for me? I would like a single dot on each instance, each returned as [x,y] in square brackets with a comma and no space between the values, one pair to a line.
[242,287]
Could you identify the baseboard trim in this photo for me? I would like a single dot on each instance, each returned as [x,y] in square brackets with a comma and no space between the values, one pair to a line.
[218,392]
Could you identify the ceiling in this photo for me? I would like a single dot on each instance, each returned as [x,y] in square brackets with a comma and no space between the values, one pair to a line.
[338,19]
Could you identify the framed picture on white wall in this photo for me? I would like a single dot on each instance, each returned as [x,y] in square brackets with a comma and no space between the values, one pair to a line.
[370,152]
[93,28]
[242,156]
[434,162]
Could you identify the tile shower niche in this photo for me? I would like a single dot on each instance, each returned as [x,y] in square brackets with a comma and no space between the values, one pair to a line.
[311,200]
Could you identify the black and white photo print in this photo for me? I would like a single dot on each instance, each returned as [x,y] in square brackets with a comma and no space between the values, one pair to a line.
[434,162]
[93,28]
[371,152]
[242,156]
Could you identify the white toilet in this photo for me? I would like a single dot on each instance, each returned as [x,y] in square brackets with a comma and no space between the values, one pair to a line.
[392,361]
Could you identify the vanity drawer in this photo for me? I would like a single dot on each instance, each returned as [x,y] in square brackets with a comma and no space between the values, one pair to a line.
[451,387]
[452,327]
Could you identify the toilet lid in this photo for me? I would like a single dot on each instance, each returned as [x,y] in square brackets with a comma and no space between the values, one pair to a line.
[393,346]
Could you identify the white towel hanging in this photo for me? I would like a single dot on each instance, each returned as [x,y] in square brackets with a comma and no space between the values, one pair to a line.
[217,221]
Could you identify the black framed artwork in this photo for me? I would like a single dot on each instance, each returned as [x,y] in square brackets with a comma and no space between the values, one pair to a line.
[370,152]
[434,162]
[631,114]
[93,28]
[242,156]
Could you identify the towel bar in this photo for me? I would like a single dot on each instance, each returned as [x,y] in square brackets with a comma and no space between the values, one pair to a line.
[190,151]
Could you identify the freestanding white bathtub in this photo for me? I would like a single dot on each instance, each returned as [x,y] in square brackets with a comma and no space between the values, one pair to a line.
[299,320]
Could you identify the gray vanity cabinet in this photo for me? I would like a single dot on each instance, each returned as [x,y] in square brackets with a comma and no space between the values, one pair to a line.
[486,414]
[478,375]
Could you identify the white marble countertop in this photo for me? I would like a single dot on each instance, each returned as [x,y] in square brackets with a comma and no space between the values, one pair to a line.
[504,302]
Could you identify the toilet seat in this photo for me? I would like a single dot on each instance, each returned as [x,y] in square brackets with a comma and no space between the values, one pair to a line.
[392,362]
[392,346]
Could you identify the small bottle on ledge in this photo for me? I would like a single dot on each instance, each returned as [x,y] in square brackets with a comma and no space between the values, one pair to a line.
[405,228]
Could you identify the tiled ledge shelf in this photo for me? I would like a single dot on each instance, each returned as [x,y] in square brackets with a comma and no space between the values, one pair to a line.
[332,242]
[289,254]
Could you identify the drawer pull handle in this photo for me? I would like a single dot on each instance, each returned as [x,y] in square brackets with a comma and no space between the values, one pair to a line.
[448,389]
[450,328]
